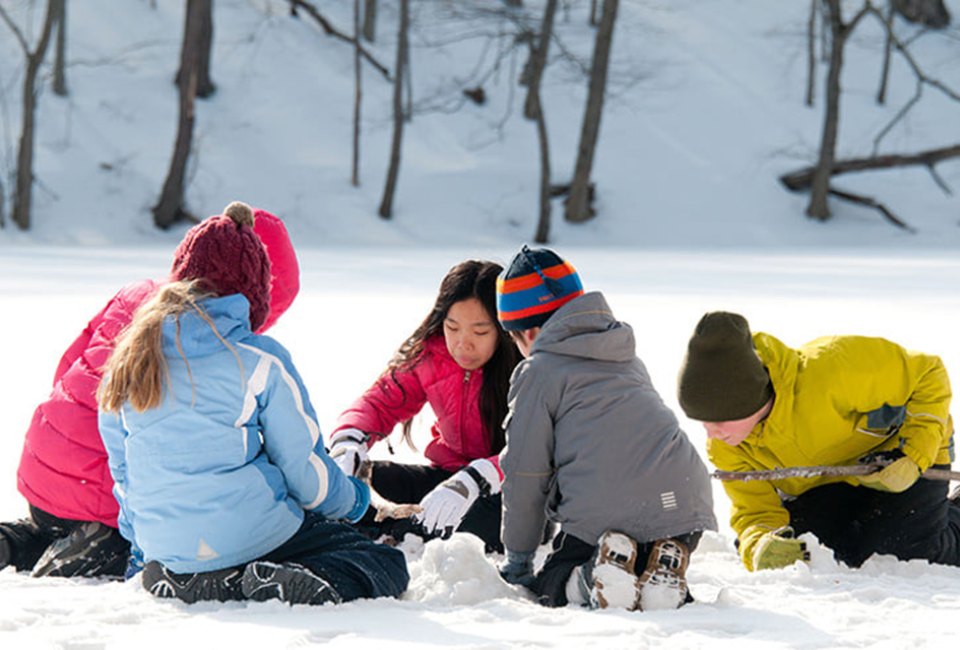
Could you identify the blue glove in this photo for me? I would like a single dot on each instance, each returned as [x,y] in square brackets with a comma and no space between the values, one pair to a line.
[518,569]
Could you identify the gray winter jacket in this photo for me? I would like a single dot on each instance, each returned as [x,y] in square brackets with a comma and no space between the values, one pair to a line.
[590,444]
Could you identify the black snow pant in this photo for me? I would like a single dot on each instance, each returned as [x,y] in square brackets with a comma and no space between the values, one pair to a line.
[569,552]
[356,566]
[856,522]
[28,538]
[409,484]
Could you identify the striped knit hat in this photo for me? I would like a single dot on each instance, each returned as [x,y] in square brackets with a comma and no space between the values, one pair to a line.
[537,283]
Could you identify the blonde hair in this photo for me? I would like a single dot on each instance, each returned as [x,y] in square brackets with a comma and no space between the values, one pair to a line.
[137,368]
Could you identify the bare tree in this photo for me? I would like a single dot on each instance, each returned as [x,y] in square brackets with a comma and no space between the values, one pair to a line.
[370,20]
[357,95]
[170,208]
[533,73]
[811,50]
[887,53]
[330,30]
[593,13]
[818,178]
[386,204]
[543,223]
[59,62]
[820,186]
[578,208]
[205,85]
[23,193]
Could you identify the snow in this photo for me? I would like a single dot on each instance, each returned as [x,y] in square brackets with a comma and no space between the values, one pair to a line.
[706,112]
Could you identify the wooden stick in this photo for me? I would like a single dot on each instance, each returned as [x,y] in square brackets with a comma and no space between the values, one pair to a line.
[824,470]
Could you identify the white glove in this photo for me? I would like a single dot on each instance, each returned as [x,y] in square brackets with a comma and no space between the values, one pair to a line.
[445,506]
[348,449]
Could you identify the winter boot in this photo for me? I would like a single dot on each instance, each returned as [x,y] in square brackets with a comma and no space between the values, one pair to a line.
[663,583]
[4,551]
[222,585]
[291,583]
[615,582]
[91,549]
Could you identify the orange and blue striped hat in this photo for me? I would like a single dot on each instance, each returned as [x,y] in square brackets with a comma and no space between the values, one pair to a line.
[537,283]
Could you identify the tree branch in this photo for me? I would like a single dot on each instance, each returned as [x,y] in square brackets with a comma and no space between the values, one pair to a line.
[16,31]
[330,30]
[872,203]
[802,179]
[922,77]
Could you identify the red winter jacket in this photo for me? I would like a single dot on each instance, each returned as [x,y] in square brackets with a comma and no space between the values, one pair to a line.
[459,435]
[63,469]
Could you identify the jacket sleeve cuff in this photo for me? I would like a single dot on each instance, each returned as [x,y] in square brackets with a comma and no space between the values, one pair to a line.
[361,500]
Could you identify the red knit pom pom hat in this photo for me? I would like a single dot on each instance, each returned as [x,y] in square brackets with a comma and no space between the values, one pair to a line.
[225,254]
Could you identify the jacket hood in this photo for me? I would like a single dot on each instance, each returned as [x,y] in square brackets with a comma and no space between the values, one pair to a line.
[585,327]
[230,315]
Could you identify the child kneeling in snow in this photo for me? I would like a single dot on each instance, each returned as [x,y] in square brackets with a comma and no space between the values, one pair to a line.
[591,445]
[219,467]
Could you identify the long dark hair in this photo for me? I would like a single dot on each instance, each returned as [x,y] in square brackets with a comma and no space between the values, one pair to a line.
[470,279]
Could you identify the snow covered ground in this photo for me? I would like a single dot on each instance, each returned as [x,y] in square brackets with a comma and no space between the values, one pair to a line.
[705,111]
[341,331]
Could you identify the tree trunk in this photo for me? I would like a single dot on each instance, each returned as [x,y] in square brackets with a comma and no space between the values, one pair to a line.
[578,206]
[407,84]
[538,61]
[811,51]
[23,193]
[170,208]
[370,20]
[536,107]
[803,178]
[205,85]
[543,223]
[386,204]
[820,187]
[357,95]
[59,61]
[887,52]
[593,13]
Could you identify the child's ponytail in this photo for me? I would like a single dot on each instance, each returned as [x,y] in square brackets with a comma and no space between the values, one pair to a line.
[137,369]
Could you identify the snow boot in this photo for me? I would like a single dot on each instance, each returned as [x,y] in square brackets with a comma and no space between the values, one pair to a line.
[5,555]
[91,549]
[663,583]
[615,582]
[222,585]
[292,583]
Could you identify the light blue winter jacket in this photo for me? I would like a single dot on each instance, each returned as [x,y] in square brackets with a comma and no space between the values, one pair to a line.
[221,472]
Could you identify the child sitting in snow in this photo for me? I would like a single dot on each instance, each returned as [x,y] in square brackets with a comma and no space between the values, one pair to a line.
[63,473]
[459,361]
[591,446]
[218,463]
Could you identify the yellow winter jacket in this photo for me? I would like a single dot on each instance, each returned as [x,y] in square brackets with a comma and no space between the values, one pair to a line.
[836,399]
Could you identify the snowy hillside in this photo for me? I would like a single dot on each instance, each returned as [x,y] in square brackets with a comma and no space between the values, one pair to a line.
[705,111]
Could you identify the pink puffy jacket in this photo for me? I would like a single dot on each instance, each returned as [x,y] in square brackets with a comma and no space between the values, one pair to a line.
[459,435]
[63,469]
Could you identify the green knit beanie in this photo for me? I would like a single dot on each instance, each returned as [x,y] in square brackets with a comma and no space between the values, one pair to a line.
[722,378]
